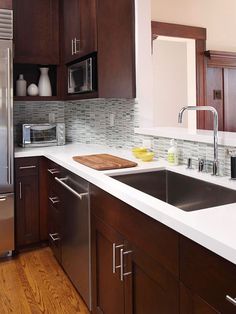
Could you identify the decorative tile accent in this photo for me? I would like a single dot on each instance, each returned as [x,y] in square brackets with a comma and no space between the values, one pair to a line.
[88,121]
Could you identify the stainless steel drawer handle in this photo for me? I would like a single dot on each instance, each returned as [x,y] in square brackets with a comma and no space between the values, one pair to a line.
[27,167]
[122,273]
[20,190]
[54,236]
[53,171]
[3,199]
[231,300]
[114,248]
[61,181]
[54,200]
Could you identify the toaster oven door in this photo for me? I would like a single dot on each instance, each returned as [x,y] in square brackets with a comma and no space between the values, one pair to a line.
[40,135]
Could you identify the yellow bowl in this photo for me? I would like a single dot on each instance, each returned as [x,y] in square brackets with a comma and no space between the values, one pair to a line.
[148,156]
[138,151]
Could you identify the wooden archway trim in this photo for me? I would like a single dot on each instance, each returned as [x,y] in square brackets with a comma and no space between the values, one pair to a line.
[199,34]
[221,59]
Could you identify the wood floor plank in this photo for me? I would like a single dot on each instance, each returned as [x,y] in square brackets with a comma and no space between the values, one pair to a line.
[35,283]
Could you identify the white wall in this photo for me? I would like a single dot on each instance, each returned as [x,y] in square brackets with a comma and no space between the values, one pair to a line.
[170,76]
[218,16]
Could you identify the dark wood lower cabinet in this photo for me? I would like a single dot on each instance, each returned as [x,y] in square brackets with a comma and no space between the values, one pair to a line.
[149,288]
[55,230]
[27,202]
[139,266]
[208,276]
[125,278]
[191,303]
[107,288]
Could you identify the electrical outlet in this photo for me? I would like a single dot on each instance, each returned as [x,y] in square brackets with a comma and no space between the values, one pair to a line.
[112,119]
[51,117]
[147,143]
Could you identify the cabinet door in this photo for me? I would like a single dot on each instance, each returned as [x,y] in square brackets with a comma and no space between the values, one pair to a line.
[27,210]
[149,288]
[6,4]
[71,27]
[191,303]
[107,288]
[79,28]
[215,97]
[54,226]
[36,31]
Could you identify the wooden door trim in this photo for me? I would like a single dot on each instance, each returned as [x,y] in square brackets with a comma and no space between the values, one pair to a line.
[200,35]
[221,59]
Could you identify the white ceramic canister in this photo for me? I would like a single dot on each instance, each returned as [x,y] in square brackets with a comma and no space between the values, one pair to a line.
[21,86]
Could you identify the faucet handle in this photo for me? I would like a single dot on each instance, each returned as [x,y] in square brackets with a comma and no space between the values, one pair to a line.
[189,163]
[201,164]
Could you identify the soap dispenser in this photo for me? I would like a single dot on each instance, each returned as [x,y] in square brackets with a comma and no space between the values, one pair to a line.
[172,155]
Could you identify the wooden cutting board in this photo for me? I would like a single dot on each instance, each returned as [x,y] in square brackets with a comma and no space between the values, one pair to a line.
[104,162]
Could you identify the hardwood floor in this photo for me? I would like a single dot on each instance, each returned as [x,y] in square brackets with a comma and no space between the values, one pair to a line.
[34,283]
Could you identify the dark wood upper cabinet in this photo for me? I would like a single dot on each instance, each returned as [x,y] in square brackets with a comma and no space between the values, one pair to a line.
[36,31]
[108,28]
[5,4]
[116,48]
[79,29]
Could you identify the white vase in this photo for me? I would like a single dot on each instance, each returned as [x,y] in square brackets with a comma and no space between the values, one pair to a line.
[45,88]
[33,90]
[21,86]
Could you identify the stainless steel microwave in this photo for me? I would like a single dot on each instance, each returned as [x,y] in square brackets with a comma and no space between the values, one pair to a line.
[81,76]
[38,135]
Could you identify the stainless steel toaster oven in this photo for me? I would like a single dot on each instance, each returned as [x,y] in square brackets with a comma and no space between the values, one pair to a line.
[38,135]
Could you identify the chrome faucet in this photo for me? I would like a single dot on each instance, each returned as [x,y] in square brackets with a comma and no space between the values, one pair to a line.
[216,123]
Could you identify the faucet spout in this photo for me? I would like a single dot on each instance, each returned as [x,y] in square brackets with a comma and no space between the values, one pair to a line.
[216,126]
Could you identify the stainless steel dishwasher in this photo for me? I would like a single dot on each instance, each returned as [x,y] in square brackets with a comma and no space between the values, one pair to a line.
[75,250]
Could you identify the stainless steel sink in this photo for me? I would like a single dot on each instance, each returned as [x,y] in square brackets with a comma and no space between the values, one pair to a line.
[184,192]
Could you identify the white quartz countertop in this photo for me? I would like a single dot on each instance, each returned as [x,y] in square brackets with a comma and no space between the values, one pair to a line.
[213,228]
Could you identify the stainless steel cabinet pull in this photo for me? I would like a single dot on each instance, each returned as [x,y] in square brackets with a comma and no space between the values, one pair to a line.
[54,200]
[53,171]
[231,300]
[61,181]
[77,41]
[27,167]
[122,273]
[72,47]
[20,185]
[114,247]
[54,236]
[3,199]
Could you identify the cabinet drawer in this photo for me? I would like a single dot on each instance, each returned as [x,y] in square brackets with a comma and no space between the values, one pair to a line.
[157,240]
[26,166]
[54,169]
[208,275]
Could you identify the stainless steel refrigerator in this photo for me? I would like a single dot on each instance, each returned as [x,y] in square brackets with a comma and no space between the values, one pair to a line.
[6,135]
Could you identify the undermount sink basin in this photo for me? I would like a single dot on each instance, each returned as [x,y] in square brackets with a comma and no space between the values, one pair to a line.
[184,192]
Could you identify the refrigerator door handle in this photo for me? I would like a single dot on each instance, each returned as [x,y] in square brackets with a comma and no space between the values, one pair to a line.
[9,121]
